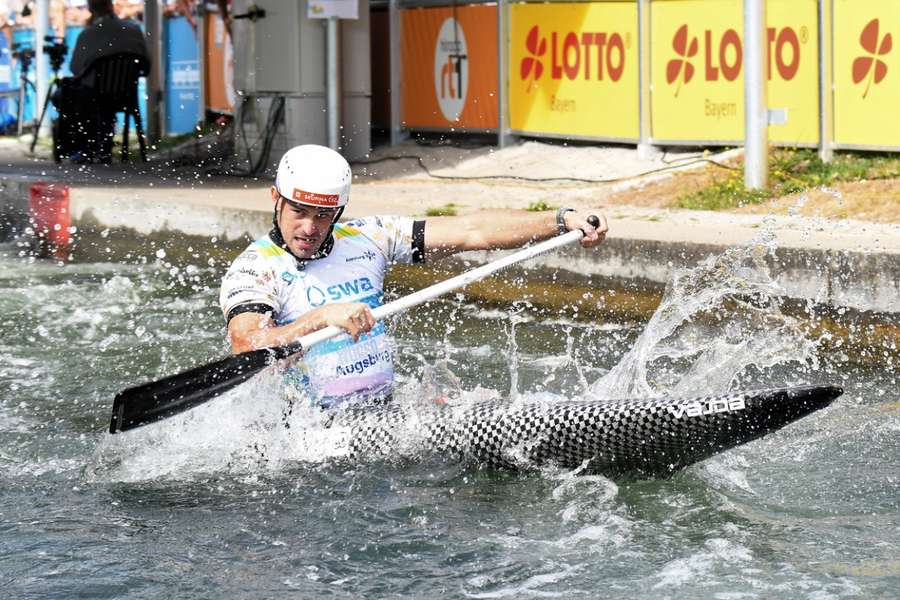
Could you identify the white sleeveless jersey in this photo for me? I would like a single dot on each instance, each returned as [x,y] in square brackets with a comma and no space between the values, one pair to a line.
[266,278]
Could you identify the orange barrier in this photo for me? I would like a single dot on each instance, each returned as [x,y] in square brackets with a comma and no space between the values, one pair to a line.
[449,63]
[219,66]
[48,204]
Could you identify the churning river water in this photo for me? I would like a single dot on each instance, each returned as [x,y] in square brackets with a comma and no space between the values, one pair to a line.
[225,502]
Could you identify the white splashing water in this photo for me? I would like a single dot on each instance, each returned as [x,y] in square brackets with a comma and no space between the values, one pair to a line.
[242,431]
[714,322]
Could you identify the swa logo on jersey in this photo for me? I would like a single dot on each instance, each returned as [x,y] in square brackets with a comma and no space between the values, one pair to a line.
[317,296]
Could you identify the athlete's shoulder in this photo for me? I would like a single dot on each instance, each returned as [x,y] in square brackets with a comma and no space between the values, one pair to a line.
[264,247]
[376,227]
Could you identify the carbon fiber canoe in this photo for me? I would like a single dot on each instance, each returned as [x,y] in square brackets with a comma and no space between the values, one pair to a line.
[633,438]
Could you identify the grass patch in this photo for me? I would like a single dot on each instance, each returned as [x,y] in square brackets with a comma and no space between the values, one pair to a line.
[791,171]
[540,206]
[447,210]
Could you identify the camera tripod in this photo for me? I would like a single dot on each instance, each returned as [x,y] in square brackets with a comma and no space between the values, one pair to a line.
[24,56]
[57,53]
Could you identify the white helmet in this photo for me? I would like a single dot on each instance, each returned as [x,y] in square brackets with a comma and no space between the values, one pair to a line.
[315,176]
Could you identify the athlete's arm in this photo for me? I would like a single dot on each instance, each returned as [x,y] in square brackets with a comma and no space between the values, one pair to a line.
[253,331]
[498,229]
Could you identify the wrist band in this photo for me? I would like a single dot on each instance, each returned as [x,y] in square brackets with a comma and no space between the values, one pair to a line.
[561,220]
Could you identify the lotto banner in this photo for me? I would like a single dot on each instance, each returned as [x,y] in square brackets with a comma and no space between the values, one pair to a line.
[573,70]
[449,62]
[697,70]
[867,73]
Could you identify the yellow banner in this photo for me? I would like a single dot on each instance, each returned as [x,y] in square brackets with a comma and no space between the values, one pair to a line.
[867,73]
[574,69]
[697,70]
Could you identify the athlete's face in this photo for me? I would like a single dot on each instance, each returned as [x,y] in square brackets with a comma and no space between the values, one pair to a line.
[303,228]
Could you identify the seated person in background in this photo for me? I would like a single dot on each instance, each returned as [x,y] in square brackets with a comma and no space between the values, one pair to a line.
[132,10]
[105,35]
[10,15]
[57,18]
[83,134]
[77,13]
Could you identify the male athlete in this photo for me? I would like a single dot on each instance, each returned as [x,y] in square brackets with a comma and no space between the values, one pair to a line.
[310,271]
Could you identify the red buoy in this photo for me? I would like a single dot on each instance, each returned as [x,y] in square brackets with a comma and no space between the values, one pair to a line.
[51,220]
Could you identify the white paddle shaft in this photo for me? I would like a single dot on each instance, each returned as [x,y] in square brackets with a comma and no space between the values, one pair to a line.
[454,283]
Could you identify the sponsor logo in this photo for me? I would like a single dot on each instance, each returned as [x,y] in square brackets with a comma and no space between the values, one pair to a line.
[314,198]
[685,52]
[361,365]
[536,47]
[317,296]
[451,69]
[708,407]
[260,278]
[288,277]
[185,74]
[870,67]
[367,255]
[722,56]
[574,55]
[240,290]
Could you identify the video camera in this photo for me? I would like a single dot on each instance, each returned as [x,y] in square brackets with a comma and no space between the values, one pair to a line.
[23,53]
[56,50]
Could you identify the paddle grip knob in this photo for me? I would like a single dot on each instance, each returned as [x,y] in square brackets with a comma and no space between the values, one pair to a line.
[593,221]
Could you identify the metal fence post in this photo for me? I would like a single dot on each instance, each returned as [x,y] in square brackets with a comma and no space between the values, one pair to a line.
[201,62]
[40,63]
[756,113]
[155,97]
[504,137]
[826,96]
[394,35]
[333,81]
[645,149]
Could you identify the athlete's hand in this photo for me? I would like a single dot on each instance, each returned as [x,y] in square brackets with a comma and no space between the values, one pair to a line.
[353,317]
[593,236]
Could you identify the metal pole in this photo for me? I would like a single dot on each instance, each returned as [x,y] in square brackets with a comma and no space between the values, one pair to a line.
[394,33]
[645,149]
[153,31]
[333,82]
[201,61]
[826,132]
[40,73]
[504,137]
[756,113]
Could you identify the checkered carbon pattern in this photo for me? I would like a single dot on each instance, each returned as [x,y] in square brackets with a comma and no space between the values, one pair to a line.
[636,438]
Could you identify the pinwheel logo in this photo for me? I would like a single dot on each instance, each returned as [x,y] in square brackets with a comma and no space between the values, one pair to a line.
[681,68]
[870,67]
[536,47]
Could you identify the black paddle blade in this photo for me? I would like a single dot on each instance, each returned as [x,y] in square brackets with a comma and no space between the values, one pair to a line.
[151,402]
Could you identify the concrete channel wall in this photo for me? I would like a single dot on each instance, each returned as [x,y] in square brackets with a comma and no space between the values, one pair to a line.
[641,254]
